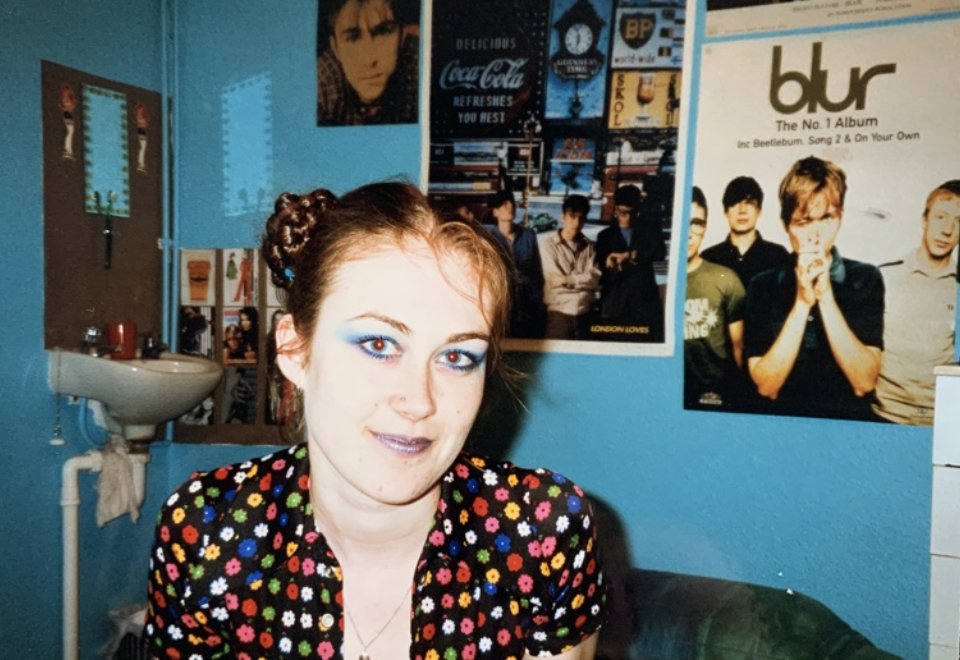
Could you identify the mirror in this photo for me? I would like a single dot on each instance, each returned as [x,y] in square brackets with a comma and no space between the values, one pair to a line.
[106,173]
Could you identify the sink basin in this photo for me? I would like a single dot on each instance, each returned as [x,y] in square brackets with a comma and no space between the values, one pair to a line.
[136,394]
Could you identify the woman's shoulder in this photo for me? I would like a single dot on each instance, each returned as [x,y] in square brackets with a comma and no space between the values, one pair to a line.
[215,494]
[538,495]
[531,534]
[221,528]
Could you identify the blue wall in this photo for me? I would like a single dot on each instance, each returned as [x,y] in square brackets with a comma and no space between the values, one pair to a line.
[837,510]
[118,40]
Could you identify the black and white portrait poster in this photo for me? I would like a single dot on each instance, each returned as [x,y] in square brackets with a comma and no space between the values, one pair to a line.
[367,62]
[823,283]
[546,118]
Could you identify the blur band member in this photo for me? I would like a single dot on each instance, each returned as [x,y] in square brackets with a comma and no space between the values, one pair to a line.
[745,251]
[813,330]
[919,319]
[713,323]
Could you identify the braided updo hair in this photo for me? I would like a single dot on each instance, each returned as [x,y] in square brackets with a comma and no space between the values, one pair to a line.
[309,237]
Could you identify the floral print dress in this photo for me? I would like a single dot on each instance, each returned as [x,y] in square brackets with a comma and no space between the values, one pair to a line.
[238,569]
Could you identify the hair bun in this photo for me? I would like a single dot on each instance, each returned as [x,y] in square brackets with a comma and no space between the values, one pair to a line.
[289,230]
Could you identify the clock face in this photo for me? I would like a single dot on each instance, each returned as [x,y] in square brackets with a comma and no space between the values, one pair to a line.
[578,39]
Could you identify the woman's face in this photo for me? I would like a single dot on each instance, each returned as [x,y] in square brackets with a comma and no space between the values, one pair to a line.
[396,372]
[366,41]
[245,322]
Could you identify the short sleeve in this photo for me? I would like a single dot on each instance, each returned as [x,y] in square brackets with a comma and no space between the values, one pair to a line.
[571,590]
[734,298]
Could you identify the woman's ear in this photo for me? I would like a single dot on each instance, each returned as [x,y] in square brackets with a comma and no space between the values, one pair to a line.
[291,351]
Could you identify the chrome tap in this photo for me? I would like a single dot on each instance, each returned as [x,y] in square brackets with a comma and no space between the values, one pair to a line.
[152,347]
[93,342]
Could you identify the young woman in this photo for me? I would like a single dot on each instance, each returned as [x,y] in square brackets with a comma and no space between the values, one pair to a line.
[378,537]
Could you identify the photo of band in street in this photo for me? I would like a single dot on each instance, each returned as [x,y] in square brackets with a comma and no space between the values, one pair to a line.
[558,130]
[822,264]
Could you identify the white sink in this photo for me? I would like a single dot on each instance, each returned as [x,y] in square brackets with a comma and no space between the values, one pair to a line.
[136,394]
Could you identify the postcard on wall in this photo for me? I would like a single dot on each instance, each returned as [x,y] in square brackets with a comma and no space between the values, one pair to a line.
[197,330]
[829,162]
[197,283]
[569,109]
[281,404]
[241,273]
[240,337]
[729,17]
[368,62]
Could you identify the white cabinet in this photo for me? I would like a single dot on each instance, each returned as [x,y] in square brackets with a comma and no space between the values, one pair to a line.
[945,519]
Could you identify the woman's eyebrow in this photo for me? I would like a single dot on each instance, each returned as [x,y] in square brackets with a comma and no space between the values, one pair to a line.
[392,322]
[467,336]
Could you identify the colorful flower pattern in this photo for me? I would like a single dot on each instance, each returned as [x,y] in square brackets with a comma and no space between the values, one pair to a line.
[238,570]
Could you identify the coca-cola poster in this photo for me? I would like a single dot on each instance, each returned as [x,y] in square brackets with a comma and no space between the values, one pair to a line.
[487,59]
[529,117]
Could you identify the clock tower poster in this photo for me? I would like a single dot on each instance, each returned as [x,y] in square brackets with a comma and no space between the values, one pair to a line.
[543,100]
[579,45]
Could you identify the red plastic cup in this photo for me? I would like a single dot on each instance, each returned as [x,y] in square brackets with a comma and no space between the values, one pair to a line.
[123,335]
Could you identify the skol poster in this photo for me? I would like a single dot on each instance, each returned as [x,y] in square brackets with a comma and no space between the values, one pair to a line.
[823,229]
[546,119]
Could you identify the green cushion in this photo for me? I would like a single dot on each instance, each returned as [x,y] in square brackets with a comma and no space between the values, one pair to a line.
[686,617]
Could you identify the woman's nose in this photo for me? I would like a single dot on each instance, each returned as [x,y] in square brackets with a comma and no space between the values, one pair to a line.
[414,396]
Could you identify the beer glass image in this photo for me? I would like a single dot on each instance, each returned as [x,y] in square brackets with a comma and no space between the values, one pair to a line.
[645,93]
[198,272]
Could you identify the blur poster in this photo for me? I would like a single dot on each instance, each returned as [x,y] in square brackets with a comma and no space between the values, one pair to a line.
[368,62]
[534,103]
[836,153]
[730,17]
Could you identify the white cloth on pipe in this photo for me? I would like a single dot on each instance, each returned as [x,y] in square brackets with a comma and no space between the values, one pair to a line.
[115,483]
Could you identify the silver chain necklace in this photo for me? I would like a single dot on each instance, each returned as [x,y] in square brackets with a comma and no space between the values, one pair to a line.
[363,654]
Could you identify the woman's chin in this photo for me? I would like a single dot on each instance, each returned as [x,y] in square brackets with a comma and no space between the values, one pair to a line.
[395,494]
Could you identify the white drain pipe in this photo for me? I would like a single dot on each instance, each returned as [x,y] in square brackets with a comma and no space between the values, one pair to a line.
[92,461]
